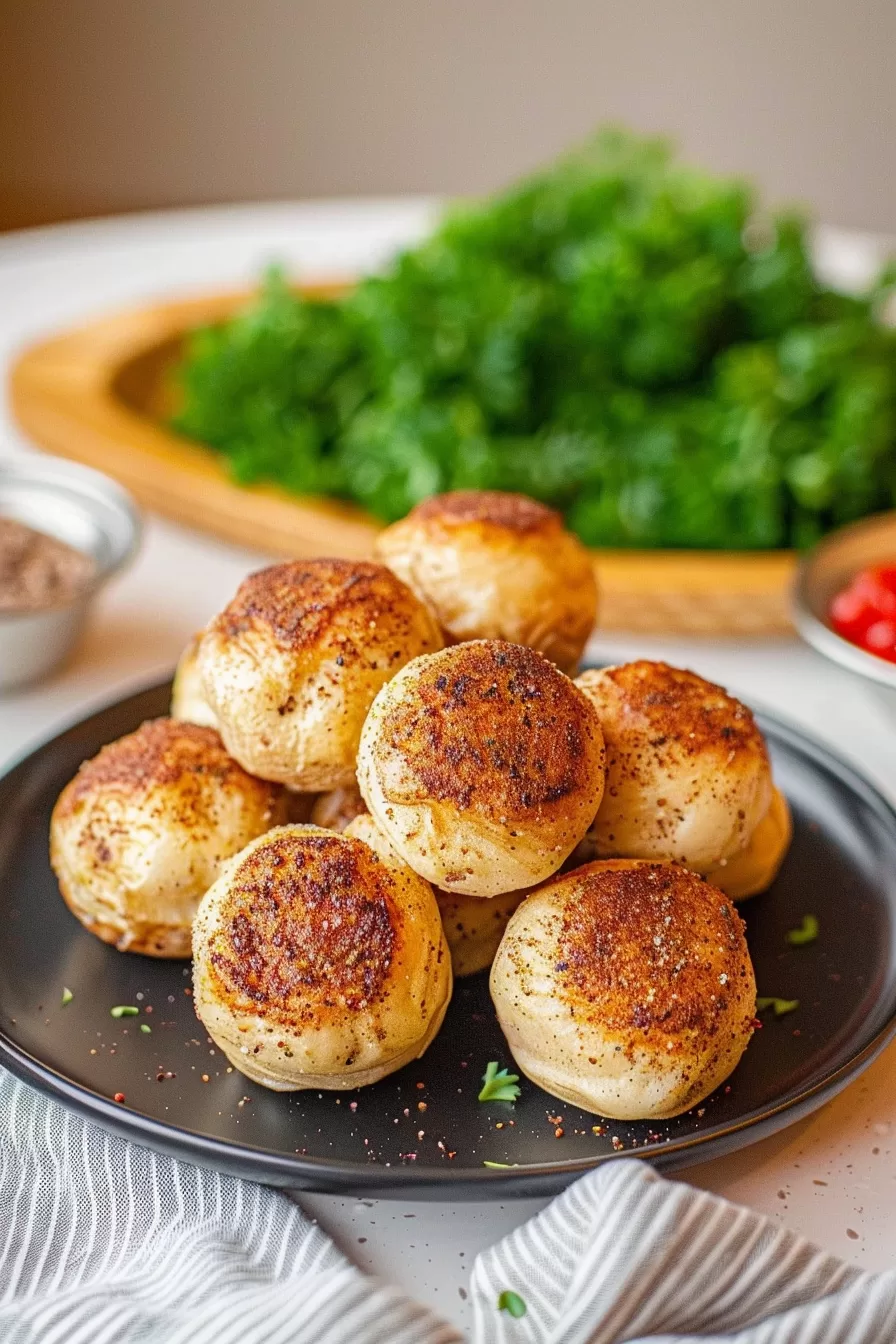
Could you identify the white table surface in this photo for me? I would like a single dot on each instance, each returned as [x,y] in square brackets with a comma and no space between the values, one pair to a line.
[831,1177]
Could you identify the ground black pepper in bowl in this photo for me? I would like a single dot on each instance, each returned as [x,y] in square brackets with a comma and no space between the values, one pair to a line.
[38,570]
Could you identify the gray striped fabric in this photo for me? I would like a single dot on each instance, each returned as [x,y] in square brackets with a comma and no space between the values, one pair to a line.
[102,1241]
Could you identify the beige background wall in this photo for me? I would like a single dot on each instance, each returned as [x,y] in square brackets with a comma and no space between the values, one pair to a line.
[112,105]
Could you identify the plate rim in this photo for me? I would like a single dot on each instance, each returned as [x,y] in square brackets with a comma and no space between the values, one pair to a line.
[406,1182]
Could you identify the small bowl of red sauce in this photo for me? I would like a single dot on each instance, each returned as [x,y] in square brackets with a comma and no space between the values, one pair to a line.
[844,601]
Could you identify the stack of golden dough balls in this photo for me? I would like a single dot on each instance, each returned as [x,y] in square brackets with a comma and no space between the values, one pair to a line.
[379,776]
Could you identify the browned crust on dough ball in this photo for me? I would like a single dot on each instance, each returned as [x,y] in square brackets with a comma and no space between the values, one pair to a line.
[683,708]
[494,727]
[309,928]
[515,513]
[651,947]
[161,752]
[308,603]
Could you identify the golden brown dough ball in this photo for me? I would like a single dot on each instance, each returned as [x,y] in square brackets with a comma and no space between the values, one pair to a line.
[334,811]
[474,927]
[497,566]
[484,765]
[755,868]
[291,666]
[626,988]
[688,772]
[320,961]
[139,834]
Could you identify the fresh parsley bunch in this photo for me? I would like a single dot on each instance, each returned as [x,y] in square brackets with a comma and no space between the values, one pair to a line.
[620,336]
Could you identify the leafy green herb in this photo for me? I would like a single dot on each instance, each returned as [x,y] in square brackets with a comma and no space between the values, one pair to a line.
[512,1303]
[124,1010]
[146,1028]
[780,1006]
[67,997]
[623,337]
[498,1084]
[806,933]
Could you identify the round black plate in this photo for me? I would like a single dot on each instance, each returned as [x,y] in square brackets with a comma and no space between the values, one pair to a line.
[422,1131]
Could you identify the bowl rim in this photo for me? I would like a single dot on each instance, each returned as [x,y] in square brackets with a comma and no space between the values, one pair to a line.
[815,629]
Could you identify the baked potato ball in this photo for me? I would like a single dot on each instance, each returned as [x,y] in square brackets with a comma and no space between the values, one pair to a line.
[188,700]
[484,765]
[139,834]
[626,988]
[319,960]
[755,868]
[291,666]
[474,927]
[688,772]
[497,566]
[335,810]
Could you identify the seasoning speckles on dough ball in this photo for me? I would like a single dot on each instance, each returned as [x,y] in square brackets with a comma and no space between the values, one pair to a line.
[688,772]
[291,666]
[319,960]
[626,987]
[484,765]
[139,834]
[493,565]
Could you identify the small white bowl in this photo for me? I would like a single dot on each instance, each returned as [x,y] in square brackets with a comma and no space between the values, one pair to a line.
[827,570]
[88,511]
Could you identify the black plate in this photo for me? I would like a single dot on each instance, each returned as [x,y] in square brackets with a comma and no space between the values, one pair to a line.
[842,868]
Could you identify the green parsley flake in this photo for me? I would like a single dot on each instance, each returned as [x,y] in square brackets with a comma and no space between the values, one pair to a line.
[67,997]
[498,1084]
[780,1006]
[124,1010]
[806,933]
[512,1303]
[146,1028]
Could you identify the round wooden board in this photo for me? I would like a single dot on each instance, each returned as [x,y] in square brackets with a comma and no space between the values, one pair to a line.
[100,394]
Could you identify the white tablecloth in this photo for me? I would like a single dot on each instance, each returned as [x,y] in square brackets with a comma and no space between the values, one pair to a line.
[831,1177]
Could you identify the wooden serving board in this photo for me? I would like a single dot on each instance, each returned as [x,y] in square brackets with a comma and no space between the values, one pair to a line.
[101,394]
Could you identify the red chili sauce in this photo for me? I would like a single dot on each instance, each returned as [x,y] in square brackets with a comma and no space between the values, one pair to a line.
[865,611]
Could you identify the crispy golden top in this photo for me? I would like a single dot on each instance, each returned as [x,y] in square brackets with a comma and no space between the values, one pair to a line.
[649,946]
[310,926]
[677,707]
[494,727]
[162,752]
[515,513]
[305,603]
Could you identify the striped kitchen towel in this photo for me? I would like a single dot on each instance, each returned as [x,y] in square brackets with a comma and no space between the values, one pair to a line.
[105,1242]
